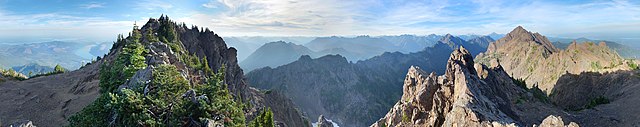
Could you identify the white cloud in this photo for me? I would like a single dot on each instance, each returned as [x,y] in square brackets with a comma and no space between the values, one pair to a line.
[53,26]
[211,4]
[278,17]
[92,5]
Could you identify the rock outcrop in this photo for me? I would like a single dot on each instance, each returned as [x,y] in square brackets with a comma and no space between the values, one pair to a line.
[25,123]
[554,121]
[468,94]
[322,122]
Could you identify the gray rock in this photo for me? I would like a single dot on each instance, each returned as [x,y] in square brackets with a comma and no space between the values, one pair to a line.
[22,123]
[140,80]
[556,121]
[322,122]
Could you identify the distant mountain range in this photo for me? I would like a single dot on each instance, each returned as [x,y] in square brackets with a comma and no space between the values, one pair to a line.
[359,48]
[274,54]
[402,43]
[249,44]
[68,54]
[623,50]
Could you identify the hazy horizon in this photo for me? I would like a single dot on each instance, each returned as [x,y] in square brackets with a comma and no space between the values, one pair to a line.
[101,21]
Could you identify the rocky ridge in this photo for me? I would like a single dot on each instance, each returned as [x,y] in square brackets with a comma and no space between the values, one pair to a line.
[322,122]
[533,58]
[468,94]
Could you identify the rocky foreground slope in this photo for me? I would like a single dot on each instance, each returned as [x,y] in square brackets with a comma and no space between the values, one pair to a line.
[49,99]
[187,56]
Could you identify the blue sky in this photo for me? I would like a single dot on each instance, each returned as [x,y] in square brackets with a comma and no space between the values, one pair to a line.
[101,21]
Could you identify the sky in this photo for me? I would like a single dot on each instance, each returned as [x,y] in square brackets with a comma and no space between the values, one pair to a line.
[23,21]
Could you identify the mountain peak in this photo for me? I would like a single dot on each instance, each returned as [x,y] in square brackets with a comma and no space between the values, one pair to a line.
[460,57]
[520,31]
[520,35]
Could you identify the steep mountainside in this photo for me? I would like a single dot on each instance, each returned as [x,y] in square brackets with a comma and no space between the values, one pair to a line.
[482,41]
[351,94]
[533,58]
[468,94]
[471,94]
[159,66]
[274,54]
[49,100]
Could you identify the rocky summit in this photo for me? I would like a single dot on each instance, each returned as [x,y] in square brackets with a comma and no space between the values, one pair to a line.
[468,94]
[533,58]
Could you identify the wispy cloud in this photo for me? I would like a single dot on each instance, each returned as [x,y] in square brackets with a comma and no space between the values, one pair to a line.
[325,17]
[279,17]
[340,17]
[92,5]
[41,27]
[211,4]
[154,5]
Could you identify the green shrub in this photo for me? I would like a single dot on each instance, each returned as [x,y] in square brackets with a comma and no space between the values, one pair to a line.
[632,65]
[539,94]
[596,101]
[56,70]
[264,119]
[520,83]
[596,65]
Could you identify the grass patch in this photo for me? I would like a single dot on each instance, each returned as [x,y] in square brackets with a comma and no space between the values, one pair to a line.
[405,118]
[596,65]
[537,92]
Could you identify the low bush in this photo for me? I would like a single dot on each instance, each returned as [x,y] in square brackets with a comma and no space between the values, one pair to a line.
[596,101]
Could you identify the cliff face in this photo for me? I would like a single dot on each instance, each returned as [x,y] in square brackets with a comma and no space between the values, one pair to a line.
[468,94]
[532,57]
